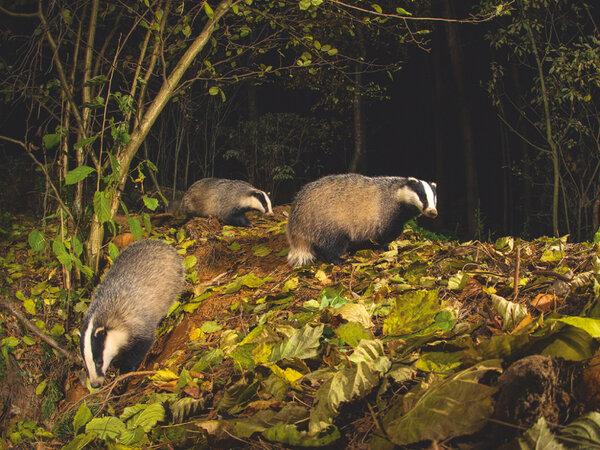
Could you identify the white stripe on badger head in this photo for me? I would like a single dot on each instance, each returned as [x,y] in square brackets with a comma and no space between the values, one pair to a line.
[88,356]
[408,196]
[115,340]
[431,210]
[269,206]
[250,201]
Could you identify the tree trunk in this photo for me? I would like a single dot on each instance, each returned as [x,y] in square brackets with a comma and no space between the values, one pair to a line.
[138,135]
[358,162]
[456,57]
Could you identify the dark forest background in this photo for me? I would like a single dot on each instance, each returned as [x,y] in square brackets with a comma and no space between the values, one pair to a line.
[495,101]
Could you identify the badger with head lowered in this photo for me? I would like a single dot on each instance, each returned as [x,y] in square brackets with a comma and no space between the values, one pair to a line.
[132,298]
[227,200]
[330,214]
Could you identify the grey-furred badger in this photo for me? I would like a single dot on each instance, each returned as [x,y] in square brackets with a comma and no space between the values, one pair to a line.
[330,214]
[132,298]
[227,200]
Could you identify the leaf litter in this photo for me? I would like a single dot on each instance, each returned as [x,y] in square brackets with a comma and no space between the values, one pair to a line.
[457,344]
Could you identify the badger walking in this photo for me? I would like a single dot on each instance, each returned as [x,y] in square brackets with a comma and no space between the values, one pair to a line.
[335,211]
[134,295]
[227,200]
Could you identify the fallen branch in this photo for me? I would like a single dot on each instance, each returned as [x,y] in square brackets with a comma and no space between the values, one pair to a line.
[8,306]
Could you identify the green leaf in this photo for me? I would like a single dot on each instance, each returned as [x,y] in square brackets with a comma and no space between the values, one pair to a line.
[51,140]
[80,441]
[591,326]
[78,174]
[570,343]
[151,203]
[106,427]
[209,12]
[348,384]
[211,327]
[403,12]
[190,261]
[234,246]
[61,253]
[439,362]
[538,437]
[113,251]
[260,250]
[83,143]
[147,418]
[101,206]
[29,305]
[28,341]
[413,311]
[36,241]
[288,434]
[512,313]
[584,429]
[303,344]
[135,227]
[453,407]
[376,8]
[39,390]
[458,281]
[213,90]
[304,4]
[96,81]
[82,417]
[352,333]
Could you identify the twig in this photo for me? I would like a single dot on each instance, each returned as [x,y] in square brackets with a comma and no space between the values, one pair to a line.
[517,270]
[552,274]
[8,306]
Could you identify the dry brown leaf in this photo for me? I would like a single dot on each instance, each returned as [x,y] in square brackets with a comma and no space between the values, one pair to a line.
[545,302]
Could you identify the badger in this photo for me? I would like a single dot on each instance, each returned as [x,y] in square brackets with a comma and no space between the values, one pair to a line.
[227,200]
[336,211]
[132,298]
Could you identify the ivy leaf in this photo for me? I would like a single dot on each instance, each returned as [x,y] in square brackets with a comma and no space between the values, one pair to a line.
[101,206]
[303,344]
[151,203]
[78,174]
[51,140]
[82,417]
[36,241]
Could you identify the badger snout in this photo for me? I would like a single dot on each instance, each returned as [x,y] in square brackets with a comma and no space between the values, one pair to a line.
[431,213]
[96,382]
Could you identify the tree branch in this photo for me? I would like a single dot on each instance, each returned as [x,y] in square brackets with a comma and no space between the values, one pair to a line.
[8,306]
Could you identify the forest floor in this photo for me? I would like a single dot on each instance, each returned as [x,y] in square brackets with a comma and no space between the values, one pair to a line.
[427,344]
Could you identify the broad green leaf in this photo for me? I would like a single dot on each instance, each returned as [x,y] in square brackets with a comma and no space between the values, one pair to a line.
[458,281]
[355,312]
[80,441]
[352,333]
[538,437]
[584,429]
[29,305]
[350,383]
[260,250]
[505,244]
[303,344]
[36,241]
[82,417]
[252,281]
[147,418]
[304,4]
[290,284]
[106,427]
[211,327]
[570,343]
[456,406]
[135,227]
[28,341]
[591,326]
[242,356]
[441,363]
[83,143]
[61,253]
[151,203]
[101,206]
[78,174]
[190,261]
[234,246]
[413,311]
[208,360]
[113,251]
[512,313]
[288,434]
[51,140]
[377,8]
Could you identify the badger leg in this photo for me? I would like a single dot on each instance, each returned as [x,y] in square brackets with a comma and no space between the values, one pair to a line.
[131,357]
[332,250]
[238,220]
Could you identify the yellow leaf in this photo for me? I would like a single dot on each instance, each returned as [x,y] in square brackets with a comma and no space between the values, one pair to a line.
[196,334]
[164,376]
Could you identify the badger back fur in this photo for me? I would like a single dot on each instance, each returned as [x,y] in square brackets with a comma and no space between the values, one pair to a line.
[227,200]
[127,305]
[335,211]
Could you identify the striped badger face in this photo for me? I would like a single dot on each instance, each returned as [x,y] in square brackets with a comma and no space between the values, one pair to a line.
[99,346]
[421,194]
[259,201]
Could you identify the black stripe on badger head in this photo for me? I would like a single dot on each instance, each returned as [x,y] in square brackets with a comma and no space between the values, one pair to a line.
[261,198]
[98,339]
[418,186]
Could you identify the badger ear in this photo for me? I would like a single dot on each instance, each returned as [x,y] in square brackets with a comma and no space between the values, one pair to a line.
[411,181]
[434,184]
